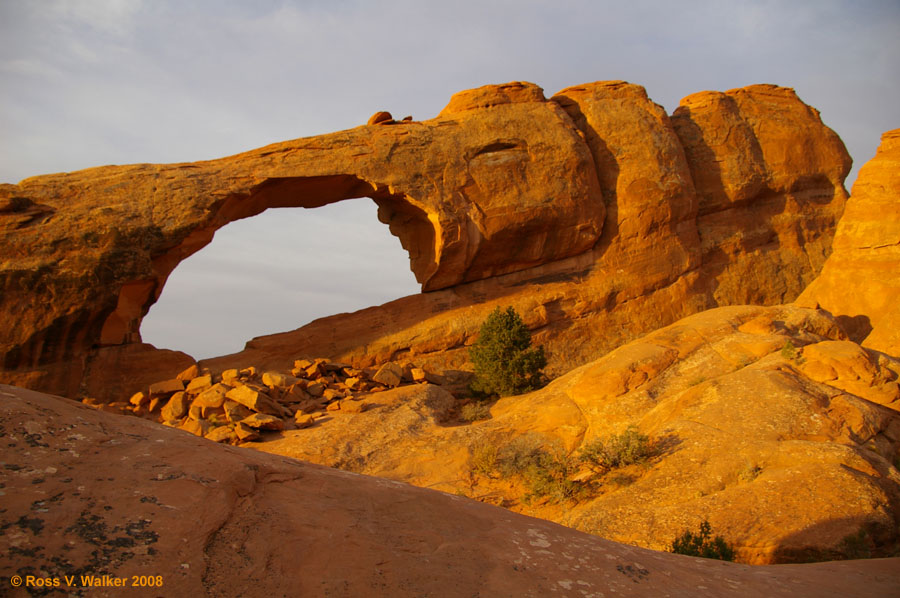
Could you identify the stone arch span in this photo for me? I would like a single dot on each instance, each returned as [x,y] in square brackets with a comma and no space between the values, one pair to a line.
[406,218]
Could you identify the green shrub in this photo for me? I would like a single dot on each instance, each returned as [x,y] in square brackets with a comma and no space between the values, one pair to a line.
[505,362]
[703,545]
[749,472]
[545,472]
[617,450]
[789,351]
[474,411]
[483,458]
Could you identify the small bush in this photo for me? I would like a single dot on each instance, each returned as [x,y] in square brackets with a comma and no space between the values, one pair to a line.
[505,363]
[618,450]
[483,458]
[474,412]
[789,351]
[702,545]
[749,472]
[544,471]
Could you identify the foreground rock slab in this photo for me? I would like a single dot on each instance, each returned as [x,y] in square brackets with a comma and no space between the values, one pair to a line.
[88,493]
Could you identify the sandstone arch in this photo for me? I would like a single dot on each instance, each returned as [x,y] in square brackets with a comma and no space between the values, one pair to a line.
[87,252]
[594,211]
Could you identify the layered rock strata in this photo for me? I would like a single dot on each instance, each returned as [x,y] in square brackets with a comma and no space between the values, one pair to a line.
[860,282]
[582,210]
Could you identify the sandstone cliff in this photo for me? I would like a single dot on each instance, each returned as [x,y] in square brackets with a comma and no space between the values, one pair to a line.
[88,493]
[860,283]
[594,213]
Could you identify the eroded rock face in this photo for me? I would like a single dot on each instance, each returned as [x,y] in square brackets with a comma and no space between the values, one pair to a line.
[503,197]
[88,493]
[750,168]
[860,283]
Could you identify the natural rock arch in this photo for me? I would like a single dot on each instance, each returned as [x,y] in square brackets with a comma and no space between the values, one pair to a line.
[593,209]
[407,220]
[276,271]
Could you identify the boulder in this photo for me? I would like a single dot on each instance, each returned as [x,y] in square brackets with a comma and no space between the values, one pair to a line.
[278,380]
[213,397]
[255,400]
[235,411]
[261,421]
[389,374]
[166,387]
[176,408]
[221,434]
[199,384]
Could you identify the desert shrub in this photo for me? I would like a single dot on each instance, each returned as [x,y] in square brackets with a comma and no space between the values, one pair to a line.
[483,458]
[474,411]
[505,363]
[545,471]
[789,351]
[617,450]
[703,544]
[749,472]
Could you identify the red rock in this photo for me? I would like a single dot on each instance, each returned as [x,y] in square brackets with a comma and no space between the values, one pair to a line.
[261,421]
[860,283]
[389,374]
[189,373]
[276,379]
[199,384]
[305,522]
[166,387]
[477,198]
[176,408]
[139,398]
[304,420]
[221,434]
[245,433]
[213,397]
[255,400]
[381,117]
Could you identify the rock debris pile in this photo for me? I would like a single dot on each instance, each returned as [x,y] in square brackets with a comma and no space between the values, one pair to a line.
[236,405]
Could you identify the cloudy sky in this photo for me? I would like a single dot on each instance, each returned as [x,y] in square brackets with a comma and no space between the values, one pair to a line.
[91,82]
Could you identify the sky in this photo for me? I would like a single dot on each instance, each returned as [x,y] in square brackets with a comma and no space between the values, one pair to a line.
[91,82]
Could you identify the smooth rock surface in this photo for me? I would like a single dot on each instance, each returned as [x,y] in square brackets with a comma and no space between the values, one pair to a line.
[121,496]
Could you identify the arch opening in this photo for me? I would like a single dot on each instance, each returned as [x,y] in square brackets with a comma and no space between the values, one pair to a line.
[279,270]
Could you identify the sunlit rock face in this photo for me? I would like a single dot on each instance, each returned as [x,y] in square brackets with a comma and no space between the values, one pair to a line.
[860,283]
[593,212]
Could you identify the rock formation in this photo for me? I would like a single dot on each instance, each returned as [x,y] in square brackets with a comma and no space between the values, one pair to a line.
[860,283]
[581,210]
[91,494]
[769,422]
